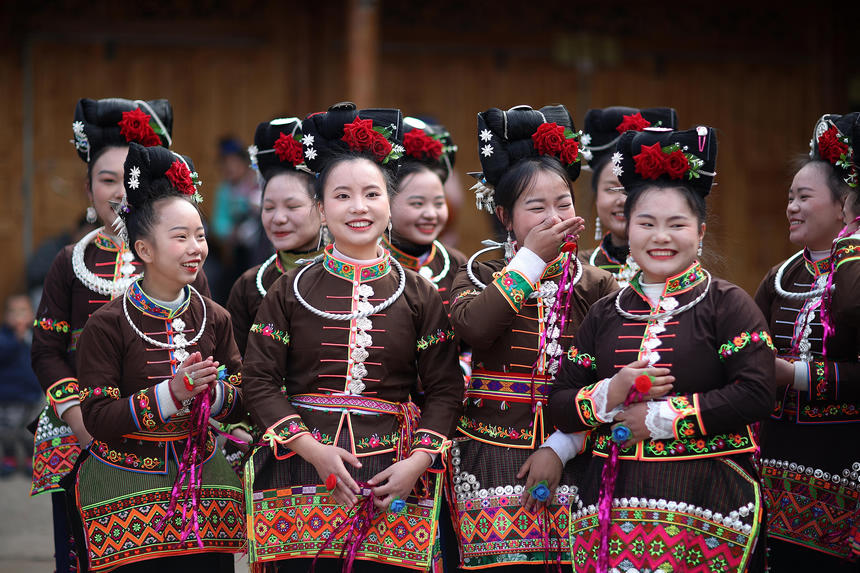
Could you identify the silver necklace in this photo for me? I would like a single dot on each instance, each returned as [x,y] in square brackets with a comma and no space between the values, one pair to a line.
[352,315]
[428,274]
[661,315]
[262,270]
[777,283]
[542,293]
[178,325]
[98,284]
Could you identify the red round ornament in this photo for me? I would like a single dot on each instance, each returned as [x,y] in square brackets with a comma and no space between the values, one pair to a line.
[331,482]
[643,383]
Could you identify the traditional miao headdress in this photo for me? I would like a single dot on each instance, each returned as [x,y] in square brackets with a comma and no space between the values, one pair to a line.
[430,144]
[277,146]
[505,137]
[833,141]
[604,126]
[116,121]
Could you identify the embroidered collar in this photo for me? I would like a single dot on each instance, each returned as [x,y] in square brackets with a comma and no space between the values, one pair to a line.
[554,268]
[149,307]
[677,284]
[615,255]
[816,268]
[286,260]
[106,243]
[408,260]
[352,272]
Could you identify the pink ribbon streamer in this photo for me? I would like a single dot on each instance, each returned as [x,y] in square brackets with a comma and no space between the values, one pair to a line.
[357,526]
[827,297]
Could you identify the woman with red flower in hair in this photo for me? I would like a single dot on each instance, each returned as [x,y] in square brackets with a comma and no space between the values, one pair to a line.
[669,374]
[519,314]
[83,277]
[602,129]
[810,472]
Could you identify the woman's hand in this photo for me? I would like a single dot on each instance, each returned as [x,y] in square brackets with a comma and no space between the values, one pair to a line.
[202,372]
[784,373]
[244,438]
[542,465]
[623,380]
[545,239]
[399,479]
[329,460]
[75,420]
[634,418]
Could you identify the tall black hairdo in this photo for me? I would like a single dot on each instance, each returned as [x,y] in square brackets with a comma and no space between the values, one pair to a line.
[277,150]
[833,141]
[507,137]
[151,174]
[430,145]
[104,123]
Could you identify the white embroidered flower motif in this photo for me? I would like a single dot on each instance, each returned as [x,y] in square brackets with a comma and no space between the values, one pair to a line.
[585,139]
[487,150]
[310,153]
[486,135]
[134,178]
[308,140]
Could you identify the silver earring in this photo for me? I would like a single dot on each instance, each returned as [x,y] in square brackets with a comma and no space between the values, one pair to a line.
[92,217]
[509,247]
[322,234]
[598,230]
[699,251]
[389,232]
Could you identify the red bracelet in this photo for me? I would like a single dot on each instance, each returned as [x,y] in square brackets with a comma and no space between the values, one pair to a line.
[176,401]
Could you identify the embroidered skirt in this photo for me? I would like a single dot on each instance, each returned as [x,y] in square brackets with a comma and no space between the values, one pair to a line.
[120,510]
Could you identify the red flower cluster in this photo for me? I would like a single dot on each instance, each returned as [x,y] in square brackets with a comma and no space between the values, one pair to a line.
[549,139]
[360,136]
[633,122]
[134,126]
[288,149]
[829,147]
[180,177]
[652,162]
[421,146]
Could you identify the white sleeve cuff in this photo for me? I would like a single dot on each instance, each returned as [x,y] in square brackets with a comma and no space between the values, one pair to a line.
[165,401]
[64,407]
[660,420]
[528,264]
[801,376]
[601,390]
[565,446]
[219,399]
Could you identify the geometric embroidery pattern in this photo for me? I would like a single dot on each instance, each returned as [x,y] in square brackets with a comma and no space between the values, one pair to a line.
[810,511]
[55,450]
[122,531]
[660,540]
[298,521]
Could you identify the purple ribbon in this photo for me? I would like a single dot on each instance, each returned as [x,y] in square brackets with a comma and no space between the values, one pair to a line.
[357,525]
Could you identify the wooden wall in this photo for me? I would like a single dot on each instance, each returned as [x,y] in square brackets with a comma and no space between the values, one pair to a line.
[762,77]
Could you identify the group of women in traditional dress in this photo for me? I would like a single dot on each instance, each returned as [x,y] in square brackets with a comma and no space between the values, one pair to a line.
[388,403]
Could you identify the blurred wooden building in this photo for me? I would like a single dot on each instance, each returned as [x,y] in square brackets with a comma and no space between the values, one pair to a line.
[761,73]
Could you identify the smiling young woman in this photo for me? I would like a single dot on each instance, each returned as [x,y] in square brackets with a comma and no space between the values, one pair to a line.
[602,129]
[816,399]
[334,352]
[675,367]
[519,314]
[154,365]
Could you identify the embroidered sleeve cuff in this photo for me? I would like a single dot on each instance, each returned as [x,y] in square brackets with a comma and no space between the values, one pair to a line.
[143,405]
[61,391]
[801,376]
[823,381]
[514,287]
[429,441]
[591,404]
[687,417]
[229,396]
[434,338]
[527,263]
[285,430]
[660,420]
[565,446]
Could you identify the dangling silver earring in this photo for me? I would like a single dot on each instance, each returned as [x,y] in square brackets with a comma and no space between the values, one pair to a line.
[598,230]
[509,247]
[92,217]
[389,232]
[699,251]
[322,234]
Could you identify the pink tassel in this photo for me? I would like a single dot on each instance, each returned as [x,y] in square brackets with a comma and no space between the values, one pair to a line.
[357,525]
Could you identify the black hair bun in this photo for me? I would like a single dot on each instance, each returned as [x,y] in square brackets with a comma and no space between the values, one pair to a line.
[374,133]
[604,126]
[505,137]
[145,166]
[687,158]
[833,141]
[116,121]
[427,143]
[277,146]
